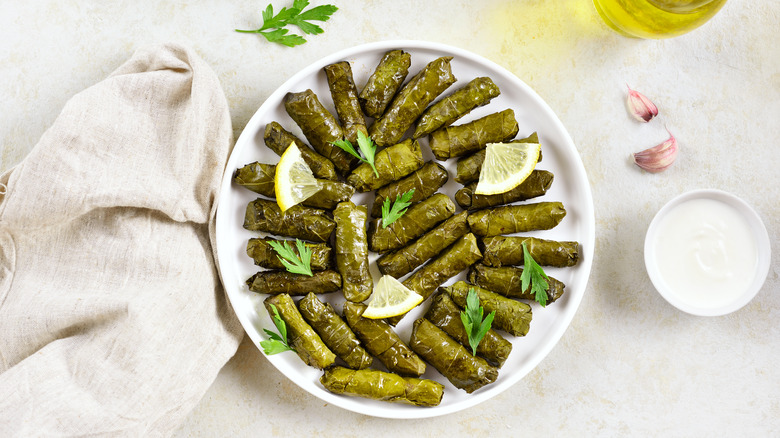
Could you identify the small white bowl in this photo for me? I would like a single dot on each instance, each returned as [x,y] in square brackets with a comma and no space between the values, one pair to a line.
[762,242]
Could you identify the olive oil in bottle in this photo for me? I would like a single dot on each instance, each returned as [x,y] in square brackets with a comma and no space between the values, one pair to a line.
[656,18]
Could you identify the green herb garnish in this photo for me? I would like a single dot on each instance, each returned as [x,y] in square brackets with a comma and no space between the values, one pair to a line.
[391,214]
[534,275]
[277,342]
[367,148]
[299,263]
[273,25]
[472,320]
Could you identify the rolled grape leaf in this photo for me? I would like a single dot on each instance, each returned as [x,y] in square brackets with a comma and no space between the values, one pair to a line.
[302,222]
[265,256]
[506,281]
[460,140]
[391,163]
[424,181]
[334,332]
[508,250]
[278,140]
[469,167]
[477,92]
[380,385]
[516,218]
[320,128]
[512,316]
[384,82]
[405,260]
[284,282]
[345,98]
[411,101]
[382,342]
[352,251]
[418,219]
[304,340]
[537,184]
[453,361]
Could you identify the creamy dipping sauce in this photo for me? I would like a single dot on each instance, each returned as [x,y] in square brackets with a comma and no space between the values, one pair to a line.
[706,253]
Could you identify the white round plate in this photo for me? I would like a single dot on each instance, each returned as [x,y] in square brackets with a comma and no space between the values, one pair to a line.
[559,156]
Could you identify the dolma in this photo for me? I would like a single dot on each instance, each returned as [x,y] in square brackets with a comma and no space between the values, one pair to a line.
[352,251]
[460,140]
[320,128]
[284,282]
[424,181]
[418,219]
[300,336]
[477,92]
[506,281]
[537,184]
[512,316]
[278,140]
[516,218]
[380,385]
[335,333]
[379,338]
[407,259]
[301,222]
[468,167]
[445,314]
[384,82]
[391,163]
[411,101]
[453,361]
[345,99]
[265,256]
[508,250]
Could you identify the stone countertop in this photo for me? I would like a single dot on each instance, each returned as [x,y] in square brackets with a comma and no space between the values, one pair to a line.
[630,363]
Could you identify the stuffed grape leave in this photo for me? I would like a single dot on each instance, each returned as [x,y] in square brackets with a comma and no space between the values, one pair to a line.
[334,332]
[460,140]
[278,140]
[458,365]
[284,282]
[468,168]
[320,127]
[265,256]
[300,336]
[392,163]
[380,385]
[508,250]
[384,82]
[424,181]
[506,281]
[417,220]
[516,218]
[405,260]
[379,338]
[476,93]
[445,314]
[352,251]
[512,316]
[411,101]
[537,184]
[301,222]
[345,99]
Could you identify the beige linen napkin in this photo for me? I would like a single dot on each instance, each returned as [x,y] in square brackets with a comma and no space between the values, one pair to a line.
[112,317]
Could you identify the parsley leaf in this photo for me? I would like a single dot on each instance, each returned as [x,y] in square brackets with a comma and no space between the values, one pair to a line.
[533,275]
[297,263]
[277,343]
[273,25]
[391,214]
[472,320]
[367,148]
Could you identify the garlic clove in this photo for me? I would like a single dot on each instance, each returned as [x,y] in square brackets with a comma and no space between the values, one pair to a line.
[659,157]
[640,106]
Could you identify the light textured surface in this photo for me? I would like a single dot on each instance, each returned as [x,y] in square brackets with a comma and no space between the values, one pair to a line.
[630,364]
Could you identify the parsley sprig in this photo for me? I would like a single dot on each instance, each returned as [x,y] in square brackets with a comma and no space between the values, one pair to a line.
[534,275]
[297,263]
[273,25]
[277,342]
[472,320]
[367,149]
[390,213]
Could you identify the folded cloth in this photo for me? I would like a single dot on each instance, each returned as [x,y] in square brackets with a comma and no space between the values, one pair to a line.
[113,320]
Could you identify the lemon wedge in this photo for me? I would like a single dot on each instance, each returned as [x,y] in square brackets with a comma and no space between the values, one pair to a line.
[391,298]
[506,165]
[294,181]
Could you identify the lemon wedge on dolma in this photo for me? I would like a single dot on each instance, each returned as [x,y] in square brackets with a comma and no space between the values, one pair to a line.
[294,181]
[506,165]
[391,298]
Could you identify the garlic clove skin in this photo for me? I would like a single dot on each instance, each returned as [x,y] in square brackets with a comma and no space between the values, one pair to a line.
[640,106]
[659,157]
